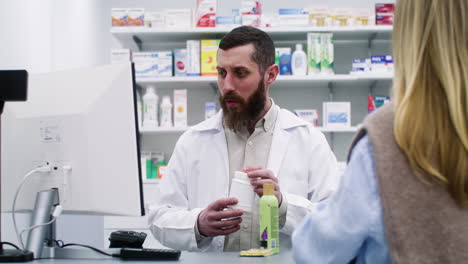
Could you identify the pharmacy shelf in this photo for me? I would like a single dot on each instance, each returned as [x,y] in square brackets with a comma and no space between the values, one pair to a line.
[373,76]
[335,77]
[162,130]
[351,129]
[150,181]
[144,34]
[280,78]
[177,79]
[159,130]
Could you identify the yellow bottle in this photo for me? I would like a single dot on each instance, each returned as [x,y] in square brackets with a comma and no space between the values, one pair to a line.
[269,222]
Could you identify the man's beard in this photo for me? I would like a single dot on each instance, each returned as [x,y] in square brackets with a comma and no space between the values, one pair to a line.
[246,111]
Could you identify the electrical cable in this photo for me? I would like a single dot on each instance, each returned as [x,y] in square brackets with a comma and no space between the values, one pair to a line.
[46,168]
[90,247]
[58,243]
[66,175]
[10,244]
[35,226]
[57,212]
[61,244]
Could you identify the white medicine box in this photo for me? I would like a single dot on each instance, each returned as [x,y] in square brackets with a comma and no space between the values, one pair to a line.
[336,114]
[153,64]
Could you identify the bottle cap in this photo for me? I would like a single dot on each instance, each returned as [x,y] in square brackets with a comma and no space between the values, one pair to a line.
[241,176]
[298,46]
[268,189]
[151,89]
[166,100]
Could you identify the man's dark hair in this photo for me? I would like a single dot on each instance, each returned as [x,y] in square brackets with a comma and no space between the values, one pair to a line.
[264,52]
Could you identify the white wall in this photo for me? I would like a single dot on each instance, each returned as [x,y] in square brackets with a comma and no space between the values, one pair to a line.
[78,37]
[24,35]
[51,35]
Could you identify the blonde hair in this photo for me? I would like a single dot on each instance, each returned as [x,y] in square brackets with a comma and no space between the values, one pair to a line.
[430,45]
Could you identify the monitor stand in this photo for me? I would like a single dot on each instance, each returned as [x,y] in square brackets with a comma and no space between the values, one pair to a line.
[45,202]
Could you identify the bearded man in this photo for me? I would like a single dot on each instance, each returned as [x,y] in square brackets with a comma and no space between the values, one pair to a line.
[250,134]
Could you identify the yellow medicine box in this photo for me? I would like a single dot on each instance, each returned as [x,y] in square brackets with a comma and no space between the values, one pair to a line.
[209,49]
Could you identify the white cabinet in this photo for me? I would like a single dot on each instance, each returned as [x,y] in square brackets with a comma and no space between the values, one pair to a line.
[290,92]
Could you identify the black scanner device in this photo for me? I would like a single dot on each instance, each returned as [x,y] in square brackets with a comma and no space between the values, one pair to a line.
[131,247]
[127,239]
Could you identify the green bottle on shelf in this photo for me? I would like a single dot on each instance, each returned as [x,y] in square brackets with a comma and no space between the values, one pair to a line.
[269,221]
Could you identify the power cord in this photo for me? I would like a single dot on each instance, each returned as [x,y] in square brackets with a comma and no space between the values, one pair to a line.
[66,175]
[58,209]
[61,244]
[92,248]
[57,212]
[58,243]
[10,244]
[46,168]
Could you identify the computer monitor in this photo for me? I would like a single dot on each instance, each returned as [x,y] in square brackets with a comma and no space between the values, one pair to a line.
[87,119]
[13,85]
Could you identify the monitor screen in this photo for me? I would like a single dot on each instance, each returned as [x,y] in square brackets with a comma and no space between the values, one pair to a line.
[86,119]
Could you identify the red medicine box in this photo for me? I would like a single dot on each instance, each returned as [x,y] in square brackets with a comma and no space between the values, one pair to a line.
[384,14]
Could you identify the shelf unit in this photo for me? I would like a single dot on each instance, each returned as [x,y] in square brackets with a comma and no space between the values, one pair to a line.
[280,79]
[269,30]
[143,38]
[165,130]
[144,34]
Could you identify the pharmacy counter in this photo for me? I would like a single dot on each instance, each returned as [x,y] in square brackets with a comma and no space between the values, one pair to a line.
[188,257]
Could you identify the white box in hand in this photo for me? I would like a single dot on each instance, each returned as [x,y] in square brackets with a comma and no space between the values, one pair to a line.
[336,114]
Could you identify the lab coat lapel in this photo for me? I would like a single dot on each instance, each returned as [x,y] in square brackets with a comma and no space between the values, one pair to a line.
[220,150]
[278,149]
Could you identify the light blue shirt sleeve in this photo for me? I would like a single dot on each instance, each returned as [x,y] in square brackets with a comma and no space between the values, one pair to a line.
[349,224]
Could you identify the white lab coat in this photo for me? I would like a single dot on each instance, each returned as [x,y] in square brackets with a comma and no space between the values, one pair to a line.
[198,174]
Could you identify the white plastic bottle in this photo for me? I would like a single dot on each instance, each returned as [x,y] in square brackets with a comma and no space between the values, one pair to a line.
[150,108]
[299,61]
[139,110]
[166,112]
[243,191]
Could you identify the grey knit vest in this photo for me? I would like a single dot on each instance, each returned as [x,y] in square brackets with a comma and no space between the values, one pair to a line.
[423,223]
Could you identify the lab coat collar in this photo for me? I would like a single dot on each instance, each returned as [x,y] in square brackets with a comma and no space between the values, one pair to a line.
[214,123]
[286,120]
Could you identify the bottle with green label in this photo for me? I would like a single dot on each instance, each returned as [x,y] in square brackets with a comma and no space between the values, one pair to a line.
[269,221]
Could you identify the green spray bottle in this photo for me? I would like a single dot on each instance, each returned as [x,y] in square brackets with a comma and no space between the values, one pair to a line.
[269,221]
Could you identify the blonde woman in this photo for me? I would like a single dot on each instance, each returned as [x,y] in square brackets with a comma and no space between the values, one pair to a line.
[404,195]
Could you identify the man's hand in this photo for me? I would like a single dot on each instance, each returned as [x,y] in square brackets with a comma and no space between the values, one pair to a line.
[259,176]
[215,221]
